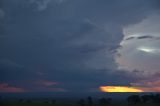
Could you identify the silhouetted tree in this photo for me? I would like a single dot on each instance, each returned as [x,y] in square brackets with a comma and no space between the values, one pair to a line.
[102,101]
[0,98]
[109,100]
[134,99]
[21,100]
[81,102]
[156,98]
[53,101]
[151,98]
[146,98]
[105,102]
[46,101]
[90,101]
[28,101]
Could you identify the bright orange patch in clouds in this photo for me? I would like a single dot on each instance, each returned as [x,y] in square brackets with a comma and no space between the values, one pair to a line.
[120,89]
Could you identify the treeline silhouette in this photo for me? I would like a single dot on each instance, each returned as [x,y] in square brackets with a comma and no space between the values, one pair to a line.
[132,99]
[137,99]
[89,102]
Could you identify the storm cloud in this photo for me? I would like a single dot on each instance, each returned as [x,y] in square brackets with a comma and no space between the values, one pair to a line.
[67,41]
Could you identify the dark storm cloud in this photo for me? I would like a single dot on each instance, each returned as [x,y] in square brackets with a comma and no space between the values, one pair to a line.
[141,37]
[130,38]
[68,41]
[145,37]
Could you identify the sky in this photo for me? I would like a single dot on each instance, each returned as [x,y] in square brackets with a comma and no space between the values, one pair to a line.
[79,45]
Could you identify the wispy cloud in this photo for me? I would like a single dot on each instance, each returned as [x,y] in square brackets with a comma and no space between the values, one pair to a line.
[56,89]
[41,4]
[10,63]
[47,83]
[4,87]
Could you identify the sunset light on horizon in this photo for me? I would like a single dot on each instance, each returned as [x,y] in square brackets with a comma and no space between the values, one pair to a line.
[120,89]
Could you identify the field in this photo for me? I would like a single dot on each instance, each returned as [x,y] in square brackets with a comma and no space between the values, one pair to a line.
[33,104]
[72,104]
[109,99]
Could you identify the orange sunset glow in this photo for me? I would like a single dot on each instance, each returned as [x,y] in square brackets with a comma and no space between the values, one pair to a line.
[119,89]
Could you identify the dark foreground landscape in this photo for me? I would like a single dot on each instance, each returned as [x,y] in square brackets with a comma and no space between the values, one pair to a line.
[108,99]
